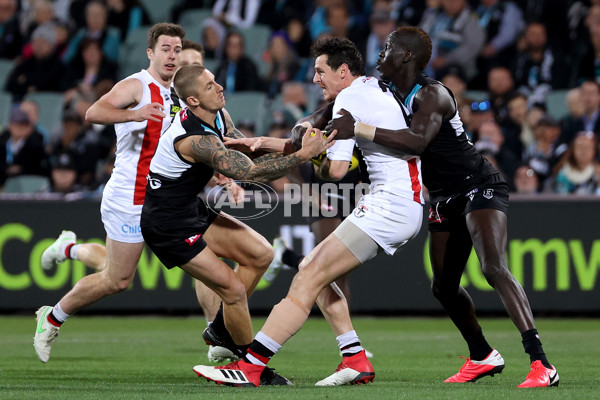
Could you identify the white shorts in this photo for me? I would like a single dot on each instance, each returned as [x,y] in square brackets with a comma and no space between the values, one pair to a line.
[391,221]
[121,221]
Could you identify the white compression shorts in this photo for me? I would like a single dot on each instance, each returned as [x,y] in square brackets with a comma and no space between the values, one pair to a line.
[121,222]
[391,221]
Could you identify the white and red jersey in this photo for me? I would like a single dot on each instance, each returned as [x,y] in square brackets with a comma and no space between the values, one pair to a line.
[373,103]
[136,144]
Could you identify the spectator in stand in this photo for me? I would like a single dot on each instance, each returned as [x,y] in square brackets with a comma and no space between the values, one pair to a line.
[490,143]
[571,124]
[502,22]
[537,68]
[589,121]
[32,109]
[42,72]
[515,125]
[126,16]
[455,81]
[481,112]
[236,13]
[96,14]
[299,36]
[526,181]
[456,38]
[293,97]
[63,176]
[213,38]
[543,154]
[80,145]
[237,72]
[342,25]
[282,61]
[577,172]
[87,70]
[500,89]
[408,12]
[278,14]
[11,40]
[382,25]
[584,45]
[21,149]
[317,23]
[42,12]
[535,112]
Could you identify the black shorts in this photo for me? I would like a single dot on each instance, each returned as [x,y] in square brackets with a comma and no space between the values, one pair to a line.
[176,246]
[450,215]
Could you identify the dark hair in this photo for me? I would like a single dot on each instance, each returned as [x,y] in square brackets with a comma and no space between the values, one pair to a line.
[188,44]
[186,80]
[339,51]
[164,28]
[414,40]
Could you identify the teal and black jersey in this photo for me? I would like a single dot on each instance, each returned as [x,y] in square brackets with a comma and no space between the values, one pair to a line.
[450,164]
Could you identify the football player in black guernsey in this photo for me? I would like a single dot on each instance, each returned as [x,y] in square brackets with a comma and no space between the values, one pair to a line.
[469,204]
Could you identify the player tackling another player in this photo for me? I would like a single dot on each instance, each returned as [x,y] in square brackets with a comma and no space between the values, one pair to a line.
[469,205]
[384,220]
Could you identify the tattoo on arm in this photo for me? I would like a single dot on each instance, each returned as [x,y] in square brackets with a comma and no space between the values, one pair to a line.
[267,157]
[234,134]
[211,151]
[231,131]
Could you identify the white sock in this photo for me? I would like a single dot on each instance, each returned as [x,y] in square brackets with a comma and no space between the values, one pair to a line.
[349,343]
[73,252]
[267,342]
[59,314]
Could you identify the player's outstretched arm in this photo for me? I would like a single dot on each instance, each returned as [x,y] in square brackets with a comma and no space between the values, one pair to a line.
[115,106]
[433,103]
[211,151]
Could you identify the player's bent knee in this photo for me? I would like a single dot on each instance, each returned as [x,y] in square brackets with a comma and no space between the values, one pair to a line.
[264,257]
[234,294]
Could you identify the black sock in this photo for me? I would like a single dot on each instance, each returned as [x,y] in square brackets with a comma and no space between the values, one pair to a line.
[291,258]
[218,324]
[479,348]
[533,347]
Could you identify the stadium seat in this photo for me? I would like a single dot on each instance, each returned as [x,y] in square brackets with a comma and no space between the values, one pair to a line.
[191,21]
[6,67]
[256,39]
[159,10]
[244,106]
[51,108]
[211,64]
[132,53]
[556,103]
[5,107]
[477,95]
[26,184]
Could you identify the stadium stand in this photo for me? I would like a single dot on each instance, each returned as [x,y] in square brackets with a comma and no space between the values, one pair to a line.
[26,184]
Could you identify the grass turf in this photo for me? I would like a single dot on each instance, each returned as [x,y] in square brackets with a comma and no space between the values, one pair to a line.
[152,358]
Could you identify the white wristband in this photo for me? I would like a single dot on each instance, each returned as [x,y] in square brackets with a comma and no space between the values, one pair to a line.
[364,131]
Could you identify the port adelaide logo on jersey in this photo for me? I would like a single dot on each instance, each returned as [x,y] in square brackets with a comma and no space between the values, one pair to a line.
[257,201]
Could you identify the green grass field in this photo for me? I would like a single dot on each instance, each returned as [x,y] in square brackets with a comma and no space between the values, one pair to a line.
[152,358]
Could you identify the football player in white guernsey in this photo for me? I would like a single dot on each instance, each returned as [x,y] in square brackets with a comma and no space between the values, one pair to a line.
[140,106]
[384,220]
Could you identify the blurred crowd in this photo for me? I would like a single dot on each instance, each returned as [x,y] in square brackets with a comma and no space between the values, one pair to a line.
[515,53]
